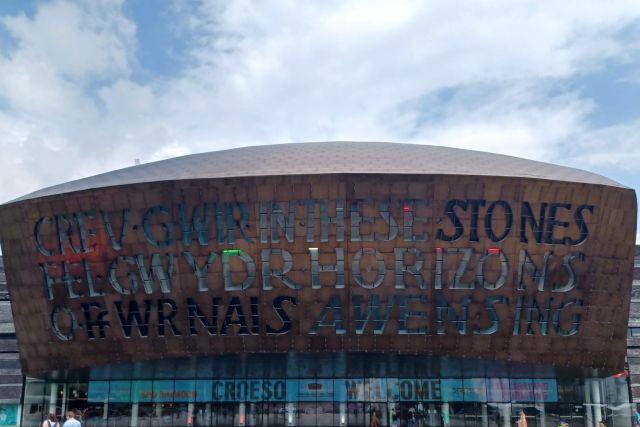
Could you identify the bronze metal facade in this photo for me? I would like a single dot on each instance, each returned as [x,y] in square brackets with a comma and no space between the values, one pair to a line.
[504,268]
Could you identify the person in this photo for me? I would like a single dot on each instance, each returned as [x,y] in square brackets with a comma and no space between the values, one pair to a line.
[601,424]
[374,419]
[394,417]
[71,420]
[50,421]
[412,420]
[522,419]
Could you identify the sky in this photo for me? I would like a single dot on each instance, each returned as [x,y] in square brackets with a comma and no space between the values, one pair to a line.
[89,86]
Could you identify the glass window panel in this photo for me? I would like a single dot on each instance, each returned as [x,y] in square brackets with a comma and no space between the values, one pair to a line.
[256,391]
[546,390]
[205,367]
[499,414]
[255,365]
[475,390]
[202,415]
[324,414]
[273,414]
[163,391]
[187,369]
[324,390]
[276,366]
[120,392]
[393,389]
[521,390]
[184,391]
[76,398]
[292,390]
[249,390]
[325,365]
[142,391]
[204,391]
[275,389]
[570,390]
[98,391]
[340,388]
[355,389]
[426,389]
[340,366]
[146,414]
[498,390]
[165,368]
[224,414]
[163,414]
[94,415]
[36,404]
[355,414]
[529,412]
[179,414]
[121,371]
[394,414]
[307,390]
[307,413]
[451,389]
[291,413]
[466,414]
[119,414]
[220,390]
[377,389]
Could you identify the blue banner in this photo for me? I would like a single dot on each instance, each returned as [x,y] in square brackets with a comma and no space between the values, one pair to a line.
[534,390]
[204,390]
[376,389]
[313,390]
[8,414]
[410,390]
[119,391]
[498,390]
[250,390]
[452,390]
[98,391]
[142,391]
[184,391]
[326,390]
[475,390]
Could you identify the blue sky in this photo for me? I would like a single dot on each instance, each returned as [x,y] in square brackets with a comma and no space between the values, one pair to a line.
[87,87]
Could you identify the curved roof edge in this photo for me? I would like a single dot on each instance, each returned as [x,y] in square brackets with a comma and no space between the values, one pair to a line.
[335,157]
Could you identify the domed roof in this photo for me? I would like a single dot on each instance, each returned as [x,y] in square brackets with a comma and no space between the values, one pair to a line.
[329,158]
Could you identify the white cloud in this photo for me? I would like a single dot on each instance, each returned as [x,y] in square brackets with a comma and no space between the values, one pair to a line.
[615,146]
[75,40]
[478,75]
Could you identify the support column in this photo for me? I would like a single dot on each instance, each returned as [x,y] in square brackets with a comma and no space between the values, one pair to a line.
[597,402]
[65,402]
[588,407]
[53,396]
[190,410]
[343,414]
[134,414]
[505,411]
[485,417]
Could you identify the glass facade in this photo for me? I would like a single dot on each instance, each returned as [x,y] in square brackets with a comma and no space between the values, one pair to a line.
[336,389]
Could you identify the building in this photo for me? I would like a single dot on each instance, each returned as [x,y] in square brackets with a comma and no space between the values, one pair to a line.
[633,336]
[326,284]
[10,373]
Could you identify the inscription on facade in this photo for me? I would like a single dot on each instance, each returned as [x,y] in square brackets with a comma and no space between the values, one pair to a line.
[437,268]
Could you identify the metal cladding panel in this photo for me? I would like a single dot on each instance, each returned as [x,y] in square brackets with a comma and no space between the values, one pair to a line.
[512,269]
